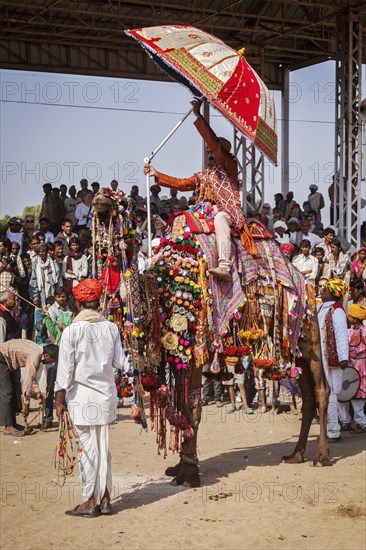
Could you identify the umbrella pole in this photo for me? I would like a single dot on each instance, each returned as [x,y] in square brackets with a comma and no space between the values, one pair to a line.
[148,160]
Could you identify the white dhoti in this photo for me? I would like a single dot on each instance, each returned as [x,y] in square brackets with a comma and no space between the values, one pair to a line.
[95,461]
[334,379]
[223,239]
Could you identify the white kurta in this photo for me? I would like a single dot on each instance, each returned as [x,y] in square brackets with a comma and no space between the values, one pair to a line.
[334,375]
[88,353]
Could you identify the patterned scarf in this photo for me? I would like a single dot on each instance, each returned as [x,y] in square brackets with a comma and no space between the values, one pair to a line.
[329,337]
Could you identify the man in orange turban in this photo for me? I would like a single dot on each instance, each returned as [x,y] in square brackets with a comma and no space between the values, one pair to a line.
[89,290]
[90,349]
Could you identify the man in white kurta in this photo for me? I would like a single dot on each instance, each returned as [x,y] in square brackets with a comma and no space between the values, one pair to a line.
[89,350]
[332,292]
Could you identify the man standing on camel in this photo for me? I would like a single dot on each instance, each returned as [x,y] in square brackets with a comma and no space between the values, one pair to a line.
[217,184]
[90,348]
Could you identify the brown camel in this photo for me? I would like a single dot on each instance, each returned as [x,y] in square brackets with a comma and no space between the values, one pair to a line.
[312,381]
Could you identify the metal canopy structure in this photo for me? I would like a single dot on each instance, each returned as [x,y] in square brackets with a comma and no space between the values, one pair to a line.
[72,37]
[86,37]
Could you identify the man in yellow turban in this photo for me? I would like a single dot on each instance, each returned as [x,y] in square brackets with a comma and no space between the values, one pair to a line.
[334,343]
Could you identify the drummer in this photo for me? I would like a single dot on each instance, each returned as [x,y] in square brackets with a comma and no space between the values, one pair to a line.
[357,359]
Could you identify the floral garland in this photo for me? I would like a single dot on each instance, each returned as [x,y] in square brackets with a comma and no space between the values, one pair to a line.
[180,296]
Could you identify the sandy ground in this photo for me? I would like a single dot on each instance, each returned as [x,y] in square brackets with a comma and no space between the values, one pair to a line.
[248,499]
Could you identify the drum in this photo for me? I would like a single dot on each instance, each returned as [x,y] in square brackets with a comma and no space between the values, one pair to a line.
[351,381]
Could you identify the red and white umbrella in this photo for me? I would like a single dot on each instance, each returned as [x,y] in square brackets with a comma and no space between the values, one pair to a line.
[208,67]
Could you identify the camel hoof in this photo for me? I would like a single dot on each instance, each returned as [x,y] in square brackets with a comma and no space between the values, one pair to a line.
[173,471]
[188,476]
[323,459]
[295,458]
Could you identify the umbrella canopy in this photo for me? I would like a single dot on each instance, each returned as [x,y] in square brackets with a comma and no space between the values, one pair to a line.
[207,66]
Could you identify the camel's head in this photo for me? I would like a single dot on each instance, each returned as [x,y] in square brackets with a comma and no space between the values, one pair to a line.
[102,204]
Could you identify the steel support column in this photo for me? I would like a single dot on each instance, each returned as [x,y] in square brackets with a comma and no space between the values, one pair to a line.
[347,181]
[251,172]
[285,132]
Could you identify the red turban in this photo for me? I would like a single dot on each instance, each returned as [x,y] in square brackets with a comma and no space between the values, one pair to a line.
[287,247]
[87,291]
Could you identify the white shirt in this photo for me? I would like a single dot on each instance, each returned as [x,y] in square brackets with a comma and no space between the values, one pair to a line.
[88,353]
[306,263]
[314,239]
[334,375]
[55,311]
[81,211]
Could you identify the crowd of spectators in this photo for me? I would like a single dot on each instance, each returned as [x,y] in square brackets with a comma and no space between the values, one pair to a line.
[42,264]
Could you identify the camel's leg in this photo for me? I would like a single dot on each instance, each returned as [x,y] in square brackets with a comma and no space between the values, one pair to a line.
[308,410]
[187,471]
[314,392]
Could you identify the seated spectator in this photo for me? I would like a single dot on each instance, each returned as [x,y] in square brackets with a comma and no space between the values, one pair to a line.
[276,214]
[278,197]
[329,235]
[323,268]
[173,197]
[287,250]
[51,251]
[21,316]
[11,270]
[44,224]
[166,207]
[296,212]
[75,267]
[357,293]
[183,203]
[280,229]
[286,204]
[57,211]
[266,211]
[33,243]
[95,187]
[83,212]
[59,252]
[85,239]
[154,196]
[15,233]
[60,304]
[28,231]
[306,208]
[339,262]
[83,189]
[315,226]
[40,315]
[41,237]
[293,225]
[358,265]
[44,278]
[305,231]
[305,263]
[65,235]
[134,194]
[70,206]
[63,192]
[20,272]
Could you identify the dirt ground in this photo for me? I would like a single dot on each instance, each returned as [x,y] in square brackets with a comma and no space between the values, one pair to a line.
[248,499]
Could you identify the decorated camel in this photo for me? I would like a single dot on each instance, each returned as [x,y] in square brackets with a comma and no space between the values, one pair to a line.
[179,322]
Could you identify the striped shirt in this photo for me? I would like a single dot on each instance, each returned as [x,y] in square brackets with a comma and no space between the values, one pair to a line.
[26,354]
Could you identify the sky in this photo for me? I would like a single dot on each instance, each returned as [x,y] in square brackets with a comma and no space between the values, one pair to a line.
[61,128]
